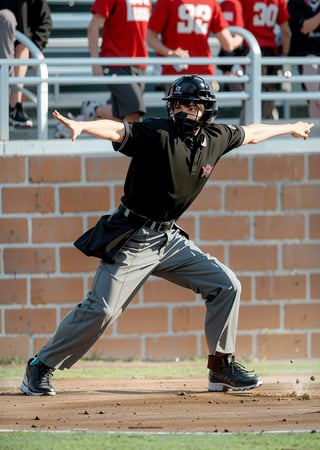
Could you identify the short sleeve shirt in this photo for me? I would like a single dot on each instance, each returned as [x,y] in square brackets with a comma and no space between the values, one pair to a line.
[188,25]
[232,11]
[164,176]
[261,17]
[125,27]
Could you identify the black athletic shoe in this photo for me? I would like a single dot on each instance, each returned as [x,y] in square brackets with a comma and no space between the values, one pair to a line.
[18,118]
[232,376]
[36,380]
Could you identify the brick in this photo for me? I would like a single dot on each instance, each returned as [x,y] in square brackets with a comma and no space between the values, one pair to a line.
[232,168]
[54,169]
[215,250]
[301,196]
[28,200]
[13,291]
[253,257]
[301,256]
[244,346]
[13,231]
[14,347]
[30,321]
[143,320]
[209,199]
[251,198]
[314,231]
[225,228]
[280,287]
[92,220]
[314,167]
[56,290]
[56,229]
[302,316]
[282,346]
[315,285]
[246,288]
[161,291]
[104,168]
[119,348]
[188,224]
[315,345]
[259,317]
[118,193]
[12,170]
[38,342]
[163,348]
[188,318]
[29,260]
[280,226]
[73,261]
[84,199]
[278,167]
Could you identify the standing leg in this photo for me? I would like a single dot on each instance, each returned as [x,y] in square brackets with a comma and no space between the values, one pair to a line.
[113,288]
[185,264]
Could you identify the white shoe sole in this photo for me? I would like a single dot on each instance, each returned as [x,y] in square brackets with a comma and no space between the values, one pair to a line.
[220,387]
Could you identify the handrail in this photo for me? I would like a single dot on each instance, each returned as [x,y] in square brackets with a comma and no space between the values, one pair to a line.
[42,88]
[252,93]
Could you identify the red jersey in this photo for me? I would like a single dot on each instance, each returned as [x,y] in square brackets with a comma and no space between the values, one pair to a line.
[188,24]
[125,28]
[260,17]
[232,11]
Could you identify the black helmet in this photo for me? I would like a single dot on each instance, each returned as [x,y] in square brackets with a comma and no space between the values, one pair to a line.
[194,89]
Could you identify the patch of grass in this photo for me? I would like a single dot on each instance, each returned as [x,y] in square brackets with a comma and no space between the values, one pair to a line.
[173,369]
[125,441]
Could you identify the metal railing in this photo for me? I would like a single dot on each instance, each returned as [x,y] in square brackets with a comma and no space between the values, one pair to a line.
[252,93]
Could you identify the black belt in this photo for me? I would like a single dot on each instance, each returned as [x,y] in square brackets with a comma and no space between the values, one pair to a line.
[145,221]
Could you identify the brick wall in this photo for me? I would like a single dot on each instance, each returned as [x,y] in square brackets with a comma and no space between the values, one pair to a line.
[260,215]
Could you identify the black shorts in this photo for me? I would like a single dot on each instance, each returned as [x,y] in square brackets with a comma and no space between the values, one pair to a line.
[126,98]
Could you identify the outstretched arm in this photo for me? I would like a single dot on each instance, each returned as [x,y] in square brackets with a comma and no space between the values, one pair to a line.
[110,130]
[256,133]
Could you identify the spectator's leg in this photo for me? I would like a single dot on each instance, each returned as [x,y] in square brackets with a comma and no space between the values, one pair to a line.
[21,52]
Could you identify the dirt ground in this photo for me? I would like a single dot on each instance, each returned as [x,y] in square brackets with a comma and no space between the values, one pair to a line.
[284,403]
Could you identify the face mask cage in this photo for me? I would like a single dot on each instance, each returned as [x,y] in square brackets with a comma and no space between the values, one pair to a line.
[184,124]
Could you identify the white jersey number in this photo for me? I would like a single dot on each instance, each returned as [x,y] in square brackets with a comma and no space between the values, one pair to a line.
[265,15]
[194,18]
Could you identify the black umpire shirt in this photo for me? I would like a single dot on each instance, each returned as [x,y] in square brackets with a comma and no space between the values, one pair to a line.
[167,173]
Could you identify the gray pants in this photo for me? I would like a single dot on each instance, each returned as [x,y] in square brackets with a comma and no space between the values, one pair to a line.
[167,255]
[8,25]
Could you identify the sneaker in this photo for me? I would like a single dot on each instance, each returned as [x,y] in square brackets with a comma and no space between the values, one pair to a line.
[36,380]
[18,118]
[88,109]
[232,376]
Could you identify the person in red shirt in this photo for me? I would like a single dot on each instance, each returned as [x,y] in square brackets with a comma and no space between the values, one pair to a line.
[180,28]
[261,18]
[124,27]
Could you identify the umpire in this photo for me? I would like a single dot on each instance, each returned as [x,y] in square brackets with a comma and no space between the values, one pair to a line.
[171,161]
